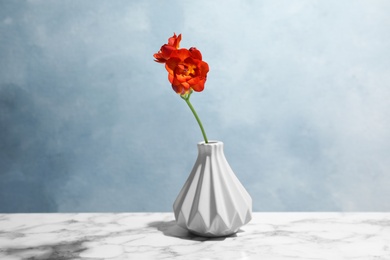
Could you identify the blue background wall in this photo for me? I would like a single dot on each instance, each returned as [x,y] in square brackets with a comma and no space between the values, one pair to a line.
[298,91]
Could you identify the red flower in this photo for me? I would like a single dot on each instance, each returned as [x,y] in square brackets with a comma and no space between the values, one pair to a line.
[187,71]
[166,50]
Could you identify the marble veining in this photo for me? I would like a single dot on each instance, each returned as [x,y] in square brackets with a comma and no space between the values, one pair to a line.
[270,236]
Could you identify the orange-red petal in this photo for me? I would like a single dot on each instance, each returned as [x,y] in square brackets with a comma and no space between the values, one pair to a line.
[171,64]
[195,53]
[174,41]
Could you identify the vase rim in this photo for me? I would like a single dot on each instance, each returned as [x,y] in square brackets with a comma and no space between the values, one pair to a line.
[211,143]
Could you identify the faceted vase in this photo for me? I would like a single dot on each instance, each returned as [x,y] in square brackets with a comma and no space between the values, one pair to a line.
[212,202]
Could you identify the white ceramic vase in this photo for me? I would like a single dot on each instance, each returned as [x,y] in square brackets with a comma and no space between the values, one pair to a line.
[212,202]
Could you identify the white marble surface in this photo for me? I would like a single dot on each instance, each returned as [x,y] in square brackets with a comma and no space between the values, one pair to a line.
[269,236]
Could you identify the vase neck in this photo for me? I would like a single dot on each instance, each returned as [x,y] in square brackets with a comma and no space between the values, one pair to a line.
[211,147]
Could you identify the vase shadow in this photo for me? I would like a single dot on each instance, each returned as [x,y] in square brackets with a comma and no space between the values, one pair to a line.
[171,229]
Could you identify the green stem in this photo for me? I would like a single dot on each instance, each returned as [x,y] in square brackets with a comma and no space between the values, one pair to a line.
[187,99]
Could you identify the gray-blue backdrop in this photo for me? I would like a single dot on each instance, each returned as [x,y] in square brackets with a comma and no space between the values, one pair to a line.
[298,91]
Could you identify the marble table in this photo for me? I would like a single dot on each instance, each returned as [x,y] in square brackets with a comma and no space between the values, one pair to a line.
[269,236]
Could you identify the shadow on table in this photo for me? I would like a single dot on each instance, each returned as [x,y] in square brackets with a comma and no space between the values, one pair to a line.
[171,229]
